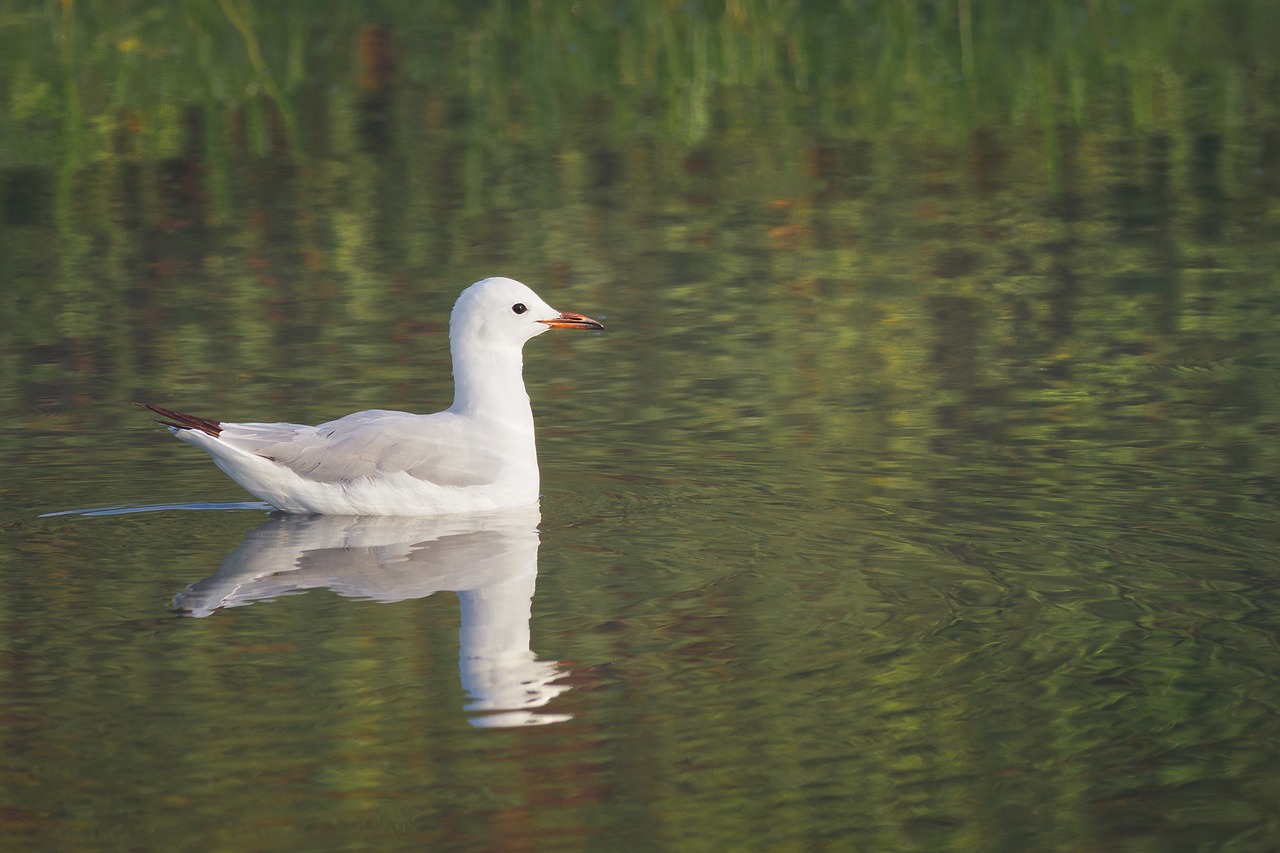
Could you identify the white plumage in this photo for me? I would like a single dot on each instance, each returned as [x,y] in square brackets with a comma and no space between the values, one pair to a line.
[478,454]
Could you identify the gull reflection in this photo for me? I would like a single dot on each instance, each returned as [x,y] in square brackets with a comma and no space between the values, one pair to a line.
[489,559]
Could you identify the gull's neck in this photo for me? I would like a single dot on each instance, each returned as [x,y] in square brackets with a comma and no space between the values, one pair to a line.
[488,391]
[488,386]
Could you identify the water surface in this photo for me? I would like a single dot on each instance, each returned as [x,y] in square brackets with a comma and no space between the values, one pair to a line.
[920,495]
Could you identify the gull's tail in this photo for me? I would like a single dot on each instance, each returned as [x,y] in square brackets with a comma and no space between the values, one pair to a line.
[178,420]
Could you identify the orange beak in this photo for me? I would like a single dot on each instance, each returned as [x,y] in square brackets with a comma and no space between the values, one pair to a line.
[572,321]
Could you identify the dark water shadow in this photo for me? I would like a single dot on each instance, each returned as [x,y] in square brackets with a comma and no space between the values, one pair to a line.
[94,512]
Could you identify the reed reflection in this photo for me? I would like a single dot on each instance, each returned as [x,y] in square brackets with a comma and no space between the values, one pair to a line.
[490,560]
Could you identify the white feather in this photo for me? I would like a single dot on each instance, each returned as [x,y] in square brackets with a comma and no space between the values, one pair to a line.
[477,455]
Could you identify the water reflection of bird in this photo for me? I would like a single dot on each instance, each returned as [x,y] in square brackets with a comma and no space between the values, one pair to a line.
[478,454]
[489,559]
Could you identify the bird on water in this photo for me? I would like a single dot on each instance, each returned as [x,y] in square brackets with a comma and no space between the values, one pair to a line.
[478,454]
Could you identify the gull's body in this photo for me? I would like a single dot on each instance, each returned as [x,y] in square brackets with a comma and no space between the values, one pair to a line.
[478,454]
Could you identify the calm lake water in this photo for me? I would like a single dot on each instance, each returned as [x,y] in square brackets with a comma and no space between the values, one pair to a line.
[922,493]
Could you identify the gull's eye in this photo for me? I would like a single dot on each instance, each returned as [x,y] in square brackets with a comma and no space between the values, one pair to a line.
[519,308]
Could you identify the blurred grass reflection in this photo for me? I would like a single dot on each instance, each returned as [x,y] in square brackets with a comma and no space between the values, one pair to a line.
[1031,201]
[235,180]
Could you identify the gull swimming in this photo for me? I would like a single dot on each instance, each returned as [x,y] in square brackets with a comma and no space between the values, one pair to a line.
[479,454]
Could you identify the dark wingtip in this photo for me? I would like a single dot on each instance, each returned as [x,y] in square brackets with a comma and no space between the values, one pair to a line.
[180,420]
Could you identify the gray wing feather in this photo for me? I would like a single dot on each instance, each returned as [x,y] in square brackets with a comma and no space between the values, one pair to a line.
[434,448]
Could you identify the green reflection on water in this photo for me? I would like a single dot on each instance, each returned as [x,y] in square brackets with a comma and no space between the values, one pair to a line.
[921,494]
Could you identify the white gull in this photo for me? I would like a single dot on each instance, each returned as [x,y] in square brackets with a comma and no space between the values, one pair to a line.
[479,454]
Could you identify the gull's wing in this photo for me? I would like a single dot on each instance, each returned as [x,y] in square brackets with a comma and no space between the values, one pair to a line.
[435,448]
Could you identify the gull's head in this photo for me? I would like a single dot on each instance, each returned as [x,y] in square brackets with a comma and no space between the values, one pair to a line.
[502,311]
